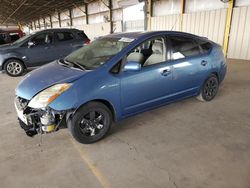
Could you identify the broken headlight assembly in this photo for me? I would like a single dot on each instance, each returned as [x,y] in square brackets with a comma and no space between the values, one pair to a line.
[45,97]
[37,116]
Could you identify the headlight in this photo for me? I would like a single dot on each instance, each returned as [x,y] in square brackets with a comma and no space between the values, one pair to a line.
[45,97]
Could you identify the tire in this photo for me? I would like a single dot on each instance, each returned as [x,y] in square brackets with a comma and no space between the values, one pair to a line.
[209,89]
[14,67]
[91,123]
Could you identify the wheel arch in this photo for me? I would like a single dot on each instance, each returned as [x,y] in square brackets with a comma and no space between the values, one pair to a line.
[3,65]
[106,103]
[212,73]
[216,74]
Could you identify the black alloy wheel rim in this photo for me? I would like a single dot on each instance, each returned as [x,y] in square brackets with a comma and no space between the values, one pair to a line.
[210,88]
[92,123]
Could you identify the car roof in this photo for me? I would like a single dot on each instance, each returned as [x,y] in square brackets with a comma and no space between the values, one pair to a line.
[57,29]
[136,35]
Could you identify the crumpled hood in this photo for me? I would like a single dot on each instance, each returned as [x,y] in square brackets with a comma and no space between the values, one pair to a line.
[46,76]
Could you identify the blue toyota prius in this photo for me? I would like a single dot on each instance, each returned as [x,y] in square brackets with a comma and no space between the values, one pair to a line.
[117,76]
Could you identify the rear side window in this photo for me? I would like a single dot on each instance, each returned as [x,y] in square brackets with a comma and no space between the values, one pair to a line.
[205,46]
[82,35]
[64,36]
[183,47]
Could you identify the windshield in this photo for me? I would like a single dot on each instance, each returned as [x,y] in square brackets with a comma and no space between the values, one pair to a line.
[98,52]
[21,39]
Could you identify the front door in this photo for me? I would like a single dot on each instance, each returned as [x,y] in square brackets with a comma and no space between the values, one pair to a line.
[146,88]
[152,85]
[42,51]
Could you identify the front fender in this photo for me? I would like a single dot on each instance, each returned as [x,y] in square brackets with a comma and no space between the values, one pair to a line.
[105,87]
[11,55]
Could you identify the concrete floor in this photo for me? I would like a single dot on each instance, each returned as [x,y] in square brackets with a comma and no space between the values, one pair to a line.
[185,144]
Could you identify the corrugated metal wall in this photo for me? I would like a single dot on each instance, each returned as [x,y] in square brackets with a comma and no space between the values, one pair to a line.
[239,41]
[210,24]
[99,29]
[134,25]
[168,22]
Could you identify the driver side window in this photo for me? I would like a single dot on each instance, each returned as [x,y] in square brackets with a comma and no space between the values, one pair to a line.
[42,39]
[150,52]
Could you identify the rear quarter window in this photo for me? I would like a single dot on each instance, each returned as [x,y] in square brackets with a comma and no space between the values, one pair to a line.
[206,47]
[183,47]
[82,35]
[64,36]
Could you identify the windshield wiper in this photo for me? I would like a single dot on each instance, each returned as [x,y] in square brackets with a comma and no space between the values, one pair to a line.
[71,63]
[76,64]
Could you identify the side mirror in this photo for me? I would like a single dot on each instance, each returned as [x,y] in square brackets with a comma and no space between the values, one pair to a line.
[31,44]
[132,66]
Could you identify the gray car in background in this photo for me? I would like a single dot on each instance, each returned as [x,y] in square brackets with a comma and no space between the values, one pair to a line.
[40,48]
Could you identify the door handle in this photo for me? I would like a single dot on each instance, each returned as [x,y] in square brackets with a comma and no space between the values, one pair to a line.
[203,63]
[165,72]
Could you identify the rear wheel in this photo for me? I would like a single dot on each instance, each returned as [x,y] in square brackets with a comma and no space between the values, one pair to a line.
[209,89]
[91,123]
[14,67]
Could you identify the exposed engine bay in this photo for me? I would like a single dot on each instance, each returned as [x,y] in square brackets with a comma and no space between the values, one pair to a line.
[39,121]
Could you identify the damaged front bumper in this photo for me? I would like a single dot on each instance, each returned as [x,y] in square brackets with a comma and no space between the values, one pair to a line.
[39,121]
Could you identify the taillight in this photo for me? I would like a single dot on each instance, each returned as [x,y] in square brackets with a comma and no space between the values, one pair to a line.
[87,41]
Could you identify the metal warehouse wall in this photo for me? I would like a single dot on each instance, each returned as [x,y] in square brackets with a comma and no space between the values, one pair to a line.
[168,22]
[98,13]
[201,17]
[239,41]
[199,20]
[210,24]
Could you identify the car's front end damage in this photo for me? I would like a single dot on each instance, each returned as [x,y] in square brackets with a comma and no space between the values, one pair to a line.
[45,98]
[39,121]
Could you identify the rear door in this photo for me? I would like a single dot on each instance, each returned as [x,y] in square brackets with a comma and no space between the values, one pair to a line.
[190,65]
[65,43]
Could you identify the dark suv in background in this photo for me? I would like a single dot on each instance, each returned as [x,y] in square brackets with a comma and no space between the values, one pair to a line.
[40,48]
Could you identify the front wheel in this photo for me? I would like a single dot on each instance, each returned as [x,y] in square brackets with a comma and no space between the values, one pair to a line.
[14,67]
[91,123]
[209,89]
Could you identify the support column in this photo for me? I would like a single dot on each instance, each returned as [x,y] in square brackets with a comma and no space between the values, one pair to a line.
[183,3]
[86,14]
[70,17]
[149,13]
[59,19]
[31,26]
[50,20]
[111,16]
[44,23]
[39,25]
[20,26]
[228,26]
